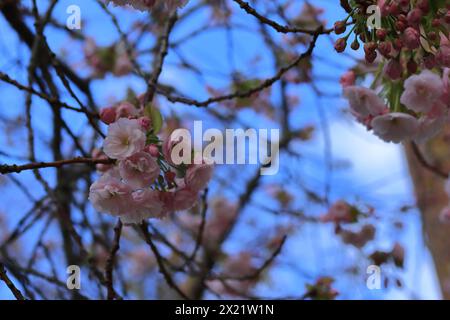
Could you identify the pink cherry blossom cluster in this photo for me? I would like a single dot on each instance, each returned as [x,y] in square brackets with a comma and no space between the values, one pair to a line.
[145,5]
[417,110]
[143,182]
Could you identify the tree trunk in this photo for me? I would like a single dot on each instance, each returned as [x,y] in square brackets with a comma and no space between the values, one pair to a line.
[431,199]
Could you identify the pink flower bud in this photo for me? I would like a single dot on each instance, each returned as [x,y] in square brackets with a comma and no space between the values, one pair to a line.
[393,69]
[385,48]
[398,44]
[108,115]
[414,17]
[339,27]
[400,26]
[145,123]
[340,45]
[381,34]
[424,5]
[153,150]
[411,38]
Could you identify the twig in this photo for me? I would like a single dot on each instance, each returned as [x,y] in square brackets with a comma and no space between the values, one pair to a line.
[5,169]
[111,259]
[4,277]
[162,268]
[279,28]
[201,230]
[260,270]
[245,94]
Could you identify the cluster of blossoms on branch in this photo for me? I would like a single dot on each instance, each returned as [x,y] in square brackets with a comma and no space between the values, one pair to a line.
[410,94]
[143,182]
[145,5]
[416,109]
[410,33]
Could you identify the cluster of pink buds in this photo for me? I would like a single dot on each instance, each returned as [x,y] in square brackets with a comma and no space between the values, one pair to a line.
[143,182]
[411,33]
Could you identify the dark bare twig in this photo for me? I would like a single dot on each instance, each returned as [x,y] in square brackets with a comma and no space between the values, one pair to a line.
[111,260]
[162,268]
[5,169]
[279,28]
[4,277]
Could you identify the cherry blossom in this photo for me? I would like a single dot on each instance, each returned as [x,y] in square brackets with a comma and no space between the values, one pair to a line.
[363,101]
[198,176]
[422,91]
[140,170]
[110,195]
[125,138]
[395,127]
[144,204]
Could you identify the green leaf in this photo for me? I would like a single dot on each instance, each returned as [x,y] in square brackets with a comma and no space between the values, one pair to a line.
[155,116]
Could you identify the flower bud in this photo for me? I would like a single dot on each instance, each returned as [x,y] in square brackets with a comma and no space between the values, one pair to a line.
[340,27]
[340,45]
[414,17]
[370,47]
[393,9]
[411,38]
[400,26]
[381,34]
[398,44]
[145,122]
[355,45]
[371,56]
[385,48]
[432,36]
[424,5]
[393,69]
[108,115]
[153,150]
[436,23]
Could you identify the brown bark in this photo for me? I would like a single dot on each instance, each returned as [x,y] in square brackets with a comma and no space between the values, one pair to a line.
[431,199]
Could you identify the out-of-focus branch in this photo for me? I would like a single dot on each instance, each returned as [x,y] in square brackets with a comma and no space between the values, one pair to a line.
[247,93]
[111,260]
[162,268]
[5,169]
